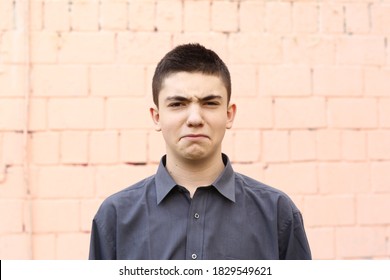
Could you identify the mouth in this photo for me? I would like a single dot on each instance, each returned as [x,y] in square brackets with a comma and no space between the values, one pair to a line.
[195,136]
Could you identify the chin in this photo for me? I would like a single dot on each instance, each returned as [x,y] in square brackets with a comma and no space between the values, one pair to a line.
[196,155]
[199,155]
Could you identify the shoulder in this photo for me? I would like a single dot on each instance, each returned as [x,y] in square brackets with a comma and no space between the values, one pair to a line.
[126,197]
[113,208]
[264,193]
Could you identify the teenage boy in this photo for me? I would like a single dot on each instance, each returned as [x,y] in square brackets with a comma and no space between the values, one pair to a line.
[196,206]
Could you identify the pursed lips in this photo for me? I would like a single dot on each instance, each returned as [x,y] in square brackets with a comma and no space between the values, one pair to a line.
[195,136]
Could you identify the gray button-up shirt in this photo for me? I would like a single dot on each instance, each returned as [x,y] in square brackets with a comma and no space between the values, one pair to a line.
[234,218]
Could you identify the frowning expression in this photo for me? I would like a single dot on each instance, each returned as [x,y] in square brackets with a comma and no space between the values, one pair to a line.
[193,115]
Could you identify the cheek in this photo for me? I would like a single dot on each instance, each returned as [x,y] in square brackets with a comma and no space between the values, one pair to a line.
[169,130]
[167,136]
[220,121]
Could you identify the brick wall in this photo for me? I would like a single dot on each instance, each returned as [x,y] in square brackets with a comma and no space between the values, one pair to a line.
[311,80]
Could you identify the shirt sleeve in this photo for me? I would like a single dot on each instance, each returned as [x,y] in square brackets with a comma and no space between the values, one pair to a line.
[98,249]
[293,243]
[102,245]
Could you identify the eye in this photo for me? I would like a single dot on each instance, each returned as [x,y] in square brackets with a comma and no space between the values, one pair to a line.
[176,104]
[211,103]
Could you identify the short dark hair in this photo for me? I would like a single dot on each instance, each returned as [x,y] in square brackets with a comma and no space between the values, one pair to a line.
[190,58]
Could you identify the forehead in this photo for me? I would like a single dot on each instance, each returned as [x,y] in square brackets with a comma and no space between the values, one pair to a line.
[188,84]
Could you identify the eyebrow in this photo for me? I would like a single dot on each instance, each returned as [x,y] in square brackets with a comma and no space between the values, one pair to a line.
[186,99]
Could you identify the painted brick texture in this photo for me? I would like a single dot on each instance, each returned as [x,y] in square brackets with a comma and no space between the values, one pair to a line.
[311,80]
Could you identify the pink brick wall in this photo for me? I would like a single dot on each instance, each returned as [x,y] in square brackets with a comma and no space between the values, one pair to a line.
[311,80]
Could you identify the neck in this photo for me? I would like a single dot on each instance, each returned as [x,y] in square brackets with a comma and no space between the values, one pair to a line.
[193,174]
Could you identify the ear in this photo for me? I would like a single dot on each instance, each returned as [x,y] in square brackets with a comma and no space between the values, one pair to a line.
[156,118]
[231,113]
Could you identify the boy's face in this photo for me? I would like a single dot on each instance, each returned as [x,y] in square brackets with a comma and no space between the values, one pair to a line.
[193,115]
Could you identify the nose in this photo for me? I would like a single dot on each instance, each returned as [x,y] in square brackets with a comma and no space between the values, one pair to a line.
[195,117]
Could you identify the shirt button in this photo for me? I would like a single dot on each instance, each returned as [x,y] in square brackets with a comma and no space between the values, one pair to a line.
[194,256]
[196,216]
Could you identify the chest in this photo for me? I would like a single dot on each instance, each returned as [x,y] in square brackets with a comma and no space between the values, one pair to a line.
[206,227]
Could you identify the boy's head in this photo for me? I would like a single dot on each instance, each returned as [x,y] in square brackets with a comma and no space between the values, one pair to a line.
[190,58]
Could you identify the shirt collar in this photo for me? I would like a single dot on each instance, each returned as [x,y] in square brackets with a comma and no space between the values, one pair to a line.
[164,181]
[224,183]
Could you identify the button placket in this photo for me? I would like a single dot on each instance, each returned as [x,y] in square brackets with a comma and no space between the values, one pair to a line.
[195,226]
